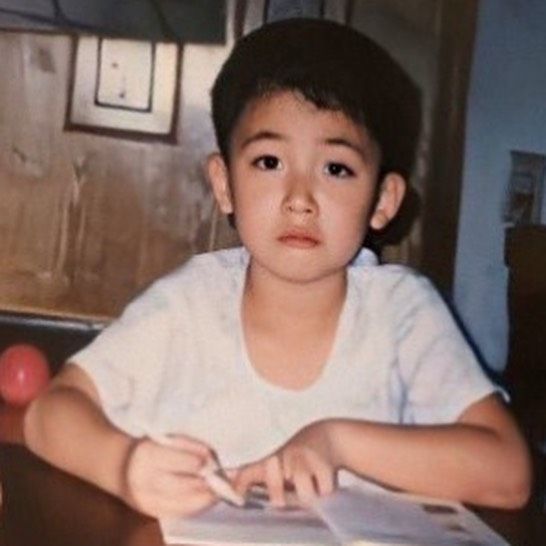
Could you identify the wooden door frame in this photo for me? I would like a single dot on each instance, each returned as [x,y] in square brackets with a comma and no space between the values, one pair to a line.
[442,195]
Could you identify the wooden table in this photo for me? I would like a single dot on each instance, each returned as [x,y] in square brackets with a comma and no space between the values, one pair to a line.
[43,506]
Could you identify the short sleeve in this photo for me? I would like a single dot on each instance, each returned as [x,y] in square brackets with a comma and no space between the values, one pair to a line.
[441,376]
[126,361]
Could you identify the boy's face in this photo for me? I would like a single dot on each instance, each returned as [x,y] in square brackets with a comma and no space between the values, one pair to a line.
[302,185]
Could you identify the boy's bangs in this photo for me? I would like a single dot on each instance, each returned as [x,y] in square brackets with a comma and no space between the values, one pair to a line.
[324,97]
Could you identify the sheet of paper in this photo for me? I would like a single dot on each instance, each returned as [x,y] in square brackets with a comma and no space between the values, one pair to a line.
[349,517]
[371,517]
[224,524]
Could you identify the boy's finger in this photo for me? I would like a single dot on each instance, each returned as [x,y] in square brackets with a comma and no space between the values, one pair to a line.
[184,500]
[274,480]
[180,462]
[192,505]
[325,481]
[249,475]
[179,486]
[305,487]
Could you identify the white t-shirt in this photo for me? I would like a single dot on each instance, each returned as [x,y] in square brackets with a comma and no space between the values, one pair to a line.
[176,362]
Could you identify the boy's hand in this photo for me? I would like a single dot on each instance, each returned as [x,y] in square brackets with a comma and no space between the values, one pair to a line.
[307,463]
[162,480]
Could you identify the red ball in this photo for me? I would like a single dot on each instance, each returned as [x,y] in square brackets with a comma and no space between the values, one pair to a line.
[24,373]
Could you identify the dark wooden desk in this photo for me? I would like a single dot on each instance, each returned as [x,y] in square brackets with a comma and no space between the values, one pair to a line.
[525,374]
[43,506]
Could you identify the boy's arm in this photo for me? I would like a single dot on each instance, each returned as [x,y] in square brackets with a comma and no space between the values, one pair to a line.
[481,459]
[67,427]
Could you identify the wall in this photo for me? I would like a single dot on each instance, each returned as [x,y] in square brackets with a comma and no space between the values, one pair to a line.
[506,111]
[87,221]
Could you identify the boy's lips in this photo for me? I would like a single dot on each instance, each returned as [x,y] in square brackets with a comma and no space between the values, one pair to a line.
[299,239]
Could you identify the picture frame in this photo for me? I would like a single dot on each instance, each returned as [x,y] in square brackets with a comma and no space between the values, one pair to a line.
[252,14]
[525,190]
[181,21]
[124,88]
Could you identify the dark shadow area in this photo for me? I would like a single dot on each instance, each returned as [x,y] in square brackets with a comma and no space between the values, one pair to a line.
[57,338]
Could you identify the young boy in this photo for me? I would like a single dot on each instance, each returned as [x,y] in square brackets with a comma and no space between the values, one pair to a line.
[297,356]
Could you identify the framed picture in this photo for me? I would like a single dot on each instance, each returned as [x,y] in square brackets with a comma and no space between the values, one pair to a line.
[186,21]
[126,88]
[252,14]
[523,203]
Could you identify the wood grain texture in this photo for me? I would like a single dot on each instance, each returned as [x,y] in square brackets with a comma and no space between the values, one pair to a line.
[87,221]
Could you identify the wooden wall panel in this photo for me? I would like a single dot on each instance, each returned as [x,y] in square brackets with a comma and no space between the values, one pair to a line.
[87,221]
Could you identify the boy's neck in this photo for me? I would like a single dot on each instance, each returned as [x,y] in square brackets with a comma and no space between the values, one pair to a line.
[270,296]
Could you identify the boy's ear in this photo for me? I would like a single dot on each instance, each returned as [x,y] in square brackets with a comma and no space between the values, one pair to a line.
[218,176]
[391,195]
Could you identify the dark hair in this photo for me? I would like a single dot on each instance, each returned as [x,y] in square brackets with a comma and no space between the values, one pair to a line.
[331,65]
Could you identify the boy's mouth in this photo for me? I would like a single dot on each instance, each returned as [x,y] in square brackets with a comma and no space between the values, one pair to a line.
[298,239]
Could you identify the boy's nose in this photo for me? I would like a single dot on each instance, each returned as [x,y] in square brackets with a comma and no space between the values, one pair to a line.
[299,199]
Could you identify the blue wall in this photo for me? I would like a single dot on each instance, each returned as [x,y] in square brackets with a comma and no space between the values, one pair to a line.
[506,110]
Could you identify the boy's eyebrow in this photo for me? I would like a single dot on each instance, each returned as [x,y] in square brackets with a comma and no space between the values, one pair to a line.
[262,135]
[340,141]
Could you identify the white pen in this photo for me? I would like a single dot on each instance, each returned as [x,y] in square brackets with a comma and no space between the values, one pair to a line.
[211,473]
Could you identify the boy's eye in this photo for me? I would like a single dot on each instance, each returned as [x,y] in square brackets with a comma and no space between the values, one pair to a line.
[338,170]
[267,162]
